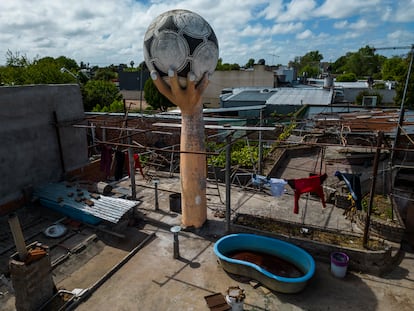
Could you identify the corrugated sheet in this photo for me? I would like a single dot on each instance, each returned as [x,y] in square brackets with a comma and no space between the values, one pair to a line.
[301,96]
[63,195]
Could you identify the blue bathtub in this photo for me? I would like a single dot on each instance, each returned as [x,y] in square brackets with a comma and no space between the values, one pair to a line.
[256,243]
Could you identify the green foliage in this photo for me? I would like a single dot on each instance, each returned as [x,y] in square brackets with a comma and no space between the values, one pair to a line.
[401,81]
[116,106]
[105,74]
[226,66]
[249,63]
[347,77]
[311,71]
[99,92]
[287,131]
[21,71]
[308,63]
[154,98]
[16,60]
[242,154]
[393,68]
[379,86]
[362,63]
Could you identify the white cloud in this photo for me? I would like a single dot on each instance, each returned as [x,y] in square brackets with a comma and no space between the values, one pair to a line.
[401,36]
[358,25]
[343,9]
[273,9]
[107,32]
[304,35]
[405,11]
[341,24]
[286,28]
[297,10]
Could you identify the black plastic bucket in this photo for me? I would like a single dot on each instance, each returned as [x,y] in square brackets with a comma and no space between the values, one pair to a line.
[175,202]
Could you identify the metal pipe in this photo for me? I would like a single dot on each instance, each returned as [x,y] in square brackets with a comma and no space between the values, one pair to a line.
[62,161]
[259,168]
[156,182]
[176,246]
[227,178]
[132,169]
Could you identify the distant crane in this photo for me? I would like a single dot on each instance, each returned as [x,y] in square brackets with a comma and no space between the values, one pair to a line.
[407,47]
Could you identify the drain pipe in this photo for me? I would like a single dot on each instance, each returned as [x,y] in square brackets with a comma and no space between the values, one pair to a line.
[89,291]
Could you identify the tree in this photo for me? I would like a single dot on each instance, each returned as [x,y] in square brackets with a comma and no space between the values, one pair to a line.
[364,63]
[249,63]
[393,68]
[105,74]
[16,60]
[347,77]
[401,81]
[20,71]
[154,98]
[99,92]
[226,66]
[308,63]
[311,71]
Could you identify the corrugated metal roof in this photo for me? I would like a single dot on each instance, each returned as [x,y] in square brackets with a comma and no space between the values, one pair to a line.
[253,95]
[301,96]
[64,194]
[246,108]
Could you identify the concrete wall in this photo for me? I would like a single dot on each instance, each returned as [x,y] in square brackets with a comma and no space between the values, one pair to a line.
[236,78]
[29,149]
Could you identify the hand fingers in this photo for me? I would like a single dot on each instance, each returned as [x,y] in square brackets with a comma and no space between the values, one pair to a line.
[191,81]
[160,84]
[173,78]
[202,85]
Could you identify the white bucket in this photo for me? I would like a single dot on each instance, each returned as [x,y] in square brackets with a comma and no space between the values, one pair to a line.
[339,264]
[235,298]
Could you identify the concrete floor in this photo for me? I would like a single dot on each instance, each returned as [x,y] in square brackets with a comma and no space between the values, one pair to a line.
[153,280]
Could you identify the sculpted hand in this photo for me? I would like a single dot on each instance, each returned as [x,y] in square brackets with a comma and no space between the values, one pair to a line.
[189,98]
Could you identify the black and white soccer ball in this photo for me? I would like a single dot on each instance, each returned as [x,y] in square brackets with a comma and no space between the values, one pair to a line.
[181,40]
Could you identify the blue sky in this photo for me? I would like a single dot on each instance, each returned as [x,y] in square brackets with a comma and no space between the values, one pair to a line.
[103,32]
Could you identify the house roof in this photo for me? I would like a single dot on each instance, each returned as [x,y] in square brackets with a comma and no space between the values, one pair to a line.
[282,96]
[301,96]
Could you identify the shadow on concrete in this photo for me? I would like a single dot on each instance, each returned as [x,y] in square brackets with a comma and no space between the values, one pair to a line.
[192,264]
[326,292]
[132,238]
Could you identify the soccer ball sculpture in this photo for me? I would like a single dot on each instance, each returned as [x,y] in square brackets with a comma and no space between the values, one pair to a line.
[181,40]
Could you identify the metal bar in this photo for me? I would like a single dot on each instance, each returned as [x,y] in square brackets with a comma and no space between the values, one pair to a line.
[62,161]
[221,127]
[371,195]
[228,181]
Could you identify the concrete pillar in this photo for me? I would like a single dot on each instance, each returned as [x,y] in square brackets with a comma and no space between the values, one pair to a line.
[32,282]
